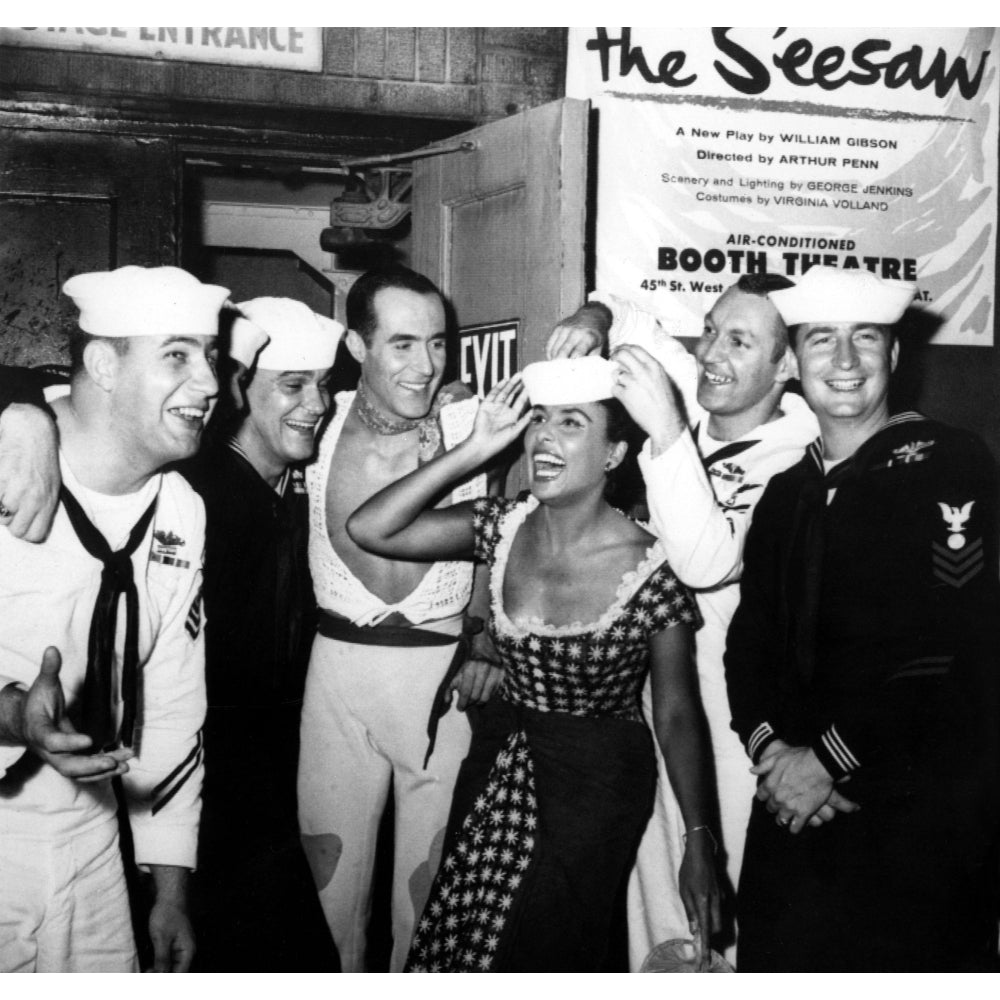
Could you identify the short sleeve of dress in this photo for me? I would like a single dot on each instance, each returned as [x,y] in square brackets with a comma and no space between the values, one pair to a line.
[488,512]
[667,601]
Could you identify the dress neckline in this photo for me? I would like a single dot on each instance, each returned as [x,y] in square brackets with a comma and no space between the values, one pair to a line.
[630,582]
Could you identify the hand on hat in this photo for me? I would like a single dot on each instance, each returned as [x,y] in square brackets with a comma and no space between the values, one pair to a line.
[583,333]
[650,397]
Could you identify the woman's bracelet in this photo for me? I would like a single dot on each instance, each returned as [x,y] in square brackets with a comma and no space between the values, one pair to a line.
[711,836]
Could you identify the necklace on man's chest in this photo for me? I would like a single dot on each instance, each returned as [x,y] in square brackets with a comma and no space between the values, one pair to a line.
[377,421]
[429,443]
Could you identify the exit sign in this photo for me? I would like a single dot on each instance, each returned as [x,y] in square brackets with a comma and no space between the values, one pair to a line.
[487,354]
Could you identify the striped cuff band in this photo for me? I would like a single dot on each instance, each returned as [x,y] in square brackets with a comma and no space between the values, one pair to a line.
[759,739]
[173,782]
[835,755]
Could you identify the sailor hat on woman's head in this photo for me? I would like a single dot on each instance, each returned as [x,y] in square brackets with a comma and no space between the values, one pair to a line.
[569,380]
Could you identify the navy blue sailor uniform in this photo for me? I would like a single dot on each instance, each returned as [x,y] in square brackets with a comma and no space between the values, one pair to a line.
[260,612]
[868,630]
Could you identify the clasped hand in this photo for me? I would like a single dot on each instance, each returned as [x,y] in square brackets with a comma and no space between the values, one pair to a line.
[797,788]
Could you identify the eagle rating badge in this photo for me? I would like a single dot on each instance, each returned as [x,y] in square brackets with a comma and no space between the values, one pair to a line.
[956,518]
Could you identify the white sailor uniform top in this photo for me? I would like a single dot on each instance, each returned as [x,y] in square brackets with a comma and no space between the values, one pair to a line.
[48,593]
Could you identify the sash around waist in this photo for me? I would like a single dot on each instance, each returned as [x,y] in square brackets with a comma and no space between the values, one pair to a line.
[333,627]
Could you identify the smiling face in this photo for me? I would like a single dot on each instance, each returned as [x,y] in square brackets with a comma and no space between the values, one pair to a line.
[403,361]
[743,363]
[568,450]
[162,393]
[285,408]
[844,369]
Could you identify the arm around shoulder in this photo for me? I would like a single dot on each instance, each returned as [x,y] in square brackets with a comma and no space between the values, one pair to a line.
[29,470]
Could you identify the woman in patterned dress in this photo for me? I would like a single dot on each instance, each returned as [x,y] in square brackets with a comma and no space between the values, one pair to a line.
[553,798]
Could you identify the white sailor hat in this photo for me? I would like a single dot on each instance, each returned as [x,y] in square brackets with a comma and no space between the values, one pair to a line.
[145,302]
[832,295]
[569,380]
[298,339]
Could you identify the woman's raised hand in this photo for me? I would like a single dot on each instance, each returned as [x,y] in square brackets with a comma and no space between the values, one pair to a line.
[502,416]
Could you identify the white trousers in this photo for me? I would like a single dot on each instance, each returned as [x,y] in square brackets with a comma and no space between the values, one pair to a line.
[364,727]
[64,905]
[655,911]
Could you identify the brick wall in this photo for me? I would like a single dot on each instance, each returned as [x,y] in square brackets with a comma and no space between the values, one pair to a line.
[471,74]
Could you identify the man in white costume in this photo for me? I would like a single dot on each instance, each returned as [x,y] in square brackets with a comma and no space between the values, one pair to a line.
[121,687]
[720,425]
[389,631]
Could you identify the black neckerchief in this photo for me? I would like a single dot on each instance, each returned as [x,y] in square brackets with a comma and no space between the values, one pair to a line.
[98,720]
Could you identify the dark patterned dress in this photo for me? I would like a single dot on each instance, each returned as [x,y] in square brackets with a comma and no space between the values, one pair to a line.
[551,802]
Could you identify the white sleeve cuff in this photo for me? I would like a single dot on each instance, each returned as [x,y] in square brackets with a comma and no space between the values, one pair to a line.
[697,536]
[173,845]
[11,753]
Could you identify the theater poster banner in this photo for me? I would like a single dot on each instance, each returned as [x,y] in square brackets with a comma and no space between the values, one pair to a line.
[724,151]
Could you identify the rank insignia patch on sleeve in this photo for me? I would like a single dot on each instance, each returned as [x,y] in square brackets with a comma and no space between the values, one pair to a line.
[957,562]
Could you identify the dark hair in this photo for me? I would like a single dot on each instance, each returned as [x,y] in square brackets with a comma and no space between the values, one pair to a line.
[761,284]
[625,488]
[78,341]
[361,298]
